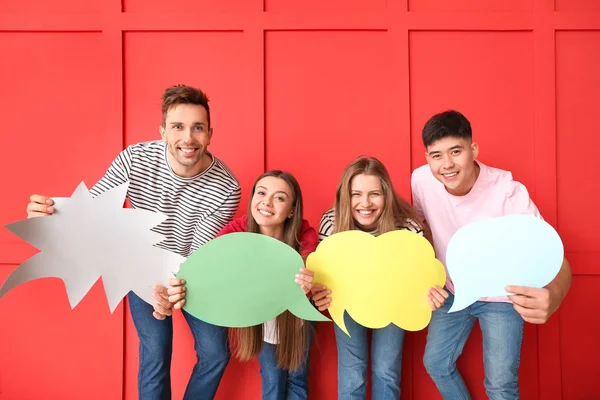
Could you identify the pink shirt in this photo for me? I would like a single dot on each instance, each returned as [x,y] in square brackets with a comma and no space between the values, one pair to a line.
[494,194]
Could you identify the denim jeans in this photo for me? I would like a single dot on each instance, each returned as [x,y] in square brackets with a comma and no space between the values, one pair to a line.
[156,344]
[502,331]
[353,356]
[281,384]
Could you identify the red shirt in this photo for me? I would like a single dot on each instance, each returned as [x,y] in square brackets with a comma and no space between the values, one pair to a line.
[308,236]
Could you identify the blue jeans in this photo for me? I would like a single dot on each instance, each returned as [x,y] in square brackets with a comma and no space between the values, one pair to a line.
[353,356]
[156,344]
[281,384]
[502,331]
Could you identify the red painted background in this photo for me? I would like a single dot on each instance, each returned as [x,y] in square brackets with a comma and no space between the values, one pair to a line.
[306,86]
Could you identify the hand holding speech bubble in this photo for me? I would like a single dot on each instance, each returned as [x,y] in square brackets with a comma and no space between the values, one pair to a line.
[91,238]
[486,256]
[244,279]
[378,280]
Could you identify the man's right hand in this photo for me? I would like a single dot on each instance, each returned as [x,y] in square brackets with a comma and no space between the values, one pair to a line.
[39,206]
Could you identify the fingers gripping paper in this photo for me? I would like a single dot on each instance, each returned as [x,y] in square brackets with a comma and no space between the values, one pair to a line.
[244,279]
[90,238]
[485,256]
[378,280]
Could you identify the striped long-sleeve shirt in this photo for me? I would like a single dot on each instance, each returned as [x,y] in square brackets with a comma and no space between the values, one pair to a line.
[327,224]
[197,207]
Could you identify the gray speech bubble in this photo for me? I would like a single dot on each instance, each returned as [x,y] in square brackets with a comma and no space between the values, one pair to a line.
[91,238]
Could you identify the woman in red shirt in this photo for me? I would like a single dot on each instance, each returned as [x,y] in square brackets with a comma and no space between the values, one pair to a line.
[283,343]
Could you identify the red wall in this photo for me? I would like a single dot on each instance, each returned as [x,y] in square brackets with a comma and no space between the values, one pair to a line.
[301,85]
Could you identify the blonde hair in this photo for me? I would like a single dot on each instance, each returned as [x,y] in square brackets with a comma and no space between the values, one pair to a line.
[396,212]
[292,331]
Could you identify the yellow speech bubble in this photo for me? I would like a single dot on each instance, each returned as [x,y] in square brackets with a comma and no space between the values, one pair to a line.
[378,280]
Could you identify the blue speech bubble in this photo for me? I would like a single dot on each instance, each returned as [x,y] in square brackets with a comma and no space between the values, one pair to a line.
[486,256]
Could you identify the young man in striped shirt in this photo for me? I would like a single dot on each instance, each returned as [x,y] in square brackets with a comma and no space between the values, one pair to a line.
[176,176]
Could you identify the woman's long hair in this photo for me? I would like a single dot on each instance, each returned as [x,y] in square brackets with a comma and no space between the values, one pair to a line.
[292,332]
[396,211]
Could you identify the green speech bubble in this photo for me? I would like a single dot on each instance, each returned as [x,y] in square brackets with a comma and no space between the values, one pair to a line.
[244,279]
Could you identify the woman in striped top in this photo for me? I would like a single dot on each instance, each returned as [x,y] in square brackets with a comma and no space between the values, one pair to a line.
[367,200]
[282,344]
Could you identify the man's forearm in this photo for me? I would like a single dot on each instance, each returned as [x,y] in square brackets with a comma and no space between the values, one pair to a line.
[561,283]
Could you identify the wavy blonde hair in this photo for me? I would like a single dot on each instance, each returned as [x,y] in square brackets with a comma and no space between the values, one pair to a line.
[396,211]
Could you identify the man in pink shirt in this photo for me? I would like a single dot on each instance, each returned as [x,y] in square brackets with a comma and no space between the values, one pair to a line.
[452,191]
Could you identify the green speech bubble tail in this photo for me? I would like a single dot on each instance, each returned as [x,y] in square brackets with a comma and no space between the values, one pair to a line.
[304,310]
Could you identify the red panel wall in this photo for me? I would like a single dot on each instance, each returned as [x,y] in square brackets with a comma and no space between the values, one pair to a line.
[53,107]
[304,86]
[470,5]
[577,87]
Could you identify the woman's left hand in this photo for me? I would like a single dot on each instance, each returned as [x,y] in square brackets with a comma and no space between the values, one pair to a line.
[437,297]
[305,279]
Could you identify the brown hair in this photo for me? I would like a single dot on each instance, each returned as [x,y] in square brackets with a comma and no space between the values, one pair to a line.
[396,211]
[182,94]
[293,333]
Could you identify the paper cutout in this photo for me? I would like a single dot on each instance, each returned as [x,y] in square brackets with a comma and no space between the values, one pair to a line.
[485,256]
[244,279]
[378,280]
[90,238]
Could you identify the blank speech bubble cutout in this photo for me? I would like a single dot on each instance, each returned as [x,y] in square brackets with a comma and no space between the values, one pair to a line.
[91,238]
[486,256]
[378,280]
[244,279]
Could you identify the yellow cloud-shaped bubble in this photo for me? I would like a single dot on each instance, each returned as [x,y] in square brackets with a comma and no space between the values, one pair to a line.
[378,280]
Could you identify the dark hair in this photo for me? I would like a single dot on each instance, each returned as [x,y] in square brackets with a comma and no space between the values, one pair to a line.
[450,123]
[182,94]
[293,332]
